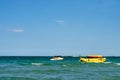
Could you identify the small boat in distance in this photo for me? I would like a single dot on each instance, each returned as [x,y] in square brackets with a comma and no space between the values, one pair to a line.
[93,59]
[57,58]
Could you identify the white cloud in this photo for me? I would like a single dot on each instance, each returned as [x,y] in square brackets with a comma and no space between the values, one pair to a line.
[61,22]
[16,30]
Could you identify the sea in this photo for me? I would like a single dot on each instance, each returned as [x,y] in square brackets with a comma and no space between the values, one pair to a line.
[42,68]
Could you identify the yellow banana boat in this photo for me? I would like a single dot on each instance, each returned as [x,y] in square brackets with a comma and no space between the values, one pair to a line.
[93,58]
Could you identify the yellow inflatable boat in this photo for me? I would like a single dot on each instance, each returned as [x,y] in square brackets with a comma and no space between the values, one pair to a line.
[93,58]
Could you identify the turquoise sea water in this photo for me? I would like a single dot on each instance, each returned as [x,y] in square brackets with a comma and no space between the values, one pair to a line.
[42,68]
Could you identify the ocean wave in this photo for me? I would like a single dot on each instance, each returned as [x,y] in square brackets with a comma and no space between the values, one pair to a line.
[118,64]
[38,64]
[107,62]
[16,78]
[67,64]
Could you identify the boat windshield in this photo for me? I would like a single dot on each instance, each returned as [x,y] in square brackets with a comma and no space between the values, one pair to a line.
[57,56]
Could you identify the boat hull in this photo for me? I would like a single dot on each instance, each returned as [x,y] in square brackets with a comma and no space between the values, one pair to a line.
[56,59]
[93,60]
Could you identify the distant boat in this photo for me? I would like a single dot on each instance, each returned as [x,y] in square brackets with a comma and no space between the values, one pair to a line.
[93,58]
[57,58]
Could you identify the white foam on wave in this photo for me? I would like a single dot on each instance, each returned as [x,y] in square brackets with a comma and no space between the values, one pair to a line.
[37,63]
[118,64]
[107,62]
[64,65]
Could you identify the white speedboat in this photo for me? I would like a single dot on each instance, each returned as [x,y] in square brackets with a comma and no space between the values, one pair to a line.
[57,58]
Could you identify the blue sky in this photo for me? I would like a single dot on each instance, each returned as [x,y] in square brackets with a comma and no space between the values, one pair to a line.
[59,27]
